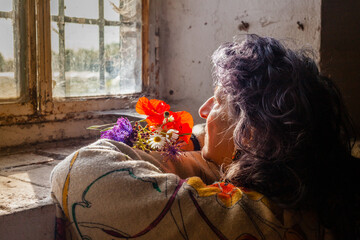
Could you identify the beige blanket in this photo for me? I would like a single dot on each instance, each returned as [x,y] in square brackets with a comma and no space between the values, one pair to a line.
[108,190]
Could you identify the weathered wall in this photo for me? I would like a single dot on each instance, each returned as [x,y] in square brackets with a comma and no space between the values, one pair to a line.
[191,30]
[340,50]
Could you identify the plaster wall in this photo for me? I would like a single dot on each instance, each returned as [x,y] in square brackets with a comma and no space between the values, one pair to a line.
[191,30]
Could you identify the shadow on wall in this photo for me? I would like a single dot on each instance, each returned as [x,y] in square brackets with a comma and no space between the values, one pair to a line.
[340,51]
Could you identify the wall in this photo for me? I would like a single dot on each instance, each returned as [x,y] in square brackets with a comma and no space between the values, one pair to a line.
[340,50]
[36,223]
[191,30]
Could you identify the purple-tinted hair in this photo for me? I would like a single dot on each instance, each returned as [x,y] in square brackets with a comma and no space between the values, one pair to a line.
[292,130]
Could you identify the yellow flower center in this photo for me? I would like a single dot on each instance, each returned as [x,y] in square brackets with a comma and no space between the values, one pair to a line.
[157,139]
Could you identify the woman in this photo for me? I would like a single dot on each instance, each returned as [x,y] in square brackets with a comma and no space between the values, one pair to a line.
[276,129]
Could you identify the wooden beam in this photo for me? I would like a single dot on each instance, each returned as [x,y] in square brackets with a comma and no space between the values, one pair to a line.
[101,45]
[90,21]
[45,103]
[145,44]
[5,14]
[61,57]
[30,53]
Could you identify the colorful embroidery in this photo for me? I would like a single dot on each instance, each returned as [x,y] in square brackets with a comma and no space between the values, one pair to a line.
[255,196]
[226,192]
[213,228]
[253,210]
[66,187]
[115,232]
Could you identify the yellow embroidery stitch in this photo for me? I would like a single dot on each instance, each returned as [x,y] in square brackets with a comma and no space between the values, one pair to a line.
[66,187]
[227,193]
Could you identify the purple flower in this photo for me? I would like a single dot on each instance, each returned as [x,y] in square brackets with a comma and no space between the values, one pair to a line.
[121,132]
[124,124]
[172,150]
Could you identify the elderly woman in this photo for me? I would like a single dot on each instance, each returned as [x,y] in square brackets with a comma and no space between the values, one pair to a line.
[275,151]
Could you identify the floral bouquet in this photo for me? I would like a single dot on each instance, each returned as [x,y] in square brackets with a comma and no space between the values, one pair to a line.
[165,131]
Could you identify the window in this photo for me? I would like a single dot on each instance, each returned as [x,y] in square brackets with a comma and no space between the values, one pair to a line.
[96,50]
[17,59]
[9,84]
[64,56]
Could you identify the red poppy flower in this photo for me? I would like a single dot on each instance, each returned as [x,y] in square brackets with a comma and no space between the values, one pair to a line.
[155,109]
[183,122]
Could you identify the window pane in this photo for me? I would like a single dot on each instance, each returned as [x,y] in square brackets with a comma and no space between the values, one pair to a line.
[6,5]
[110,11]
[93,58]
[9,86]
[81,63]
[112,59]
[54,7]
[123,60]
[130,10]
[57,82]
[82,8]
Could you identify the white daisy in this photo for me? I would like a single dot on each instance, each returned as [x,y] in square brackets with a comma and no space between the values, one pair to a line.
[169,119]
[172,134]
[156,141]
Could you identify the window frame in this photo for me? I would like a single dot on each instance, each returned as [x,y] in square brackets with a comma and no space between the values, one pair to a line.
[25,59]
[38,103]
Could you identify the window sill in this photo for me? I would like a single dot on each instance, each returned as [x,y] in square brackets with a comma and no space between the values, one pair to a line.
[26,208]
[25,169]
[69,126]
[25,174]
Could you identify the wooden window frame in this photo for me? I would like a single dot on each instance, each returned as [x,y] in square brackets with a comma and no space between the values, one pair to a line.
[38,105]
[25,59]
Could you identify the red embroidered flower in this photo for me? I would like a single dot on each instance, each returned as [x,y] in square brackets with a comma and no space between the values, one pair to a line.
[227,193]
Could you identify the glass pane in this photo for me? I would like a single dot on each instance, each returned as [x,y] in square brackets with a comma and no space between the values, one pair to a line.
[77,50]
[6,5]
[80,62]
[132,57]
[112,59]
[58,85]
[130,10]
[82,8]
[9,86]
[122,61]
[110,10]
[54,7]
